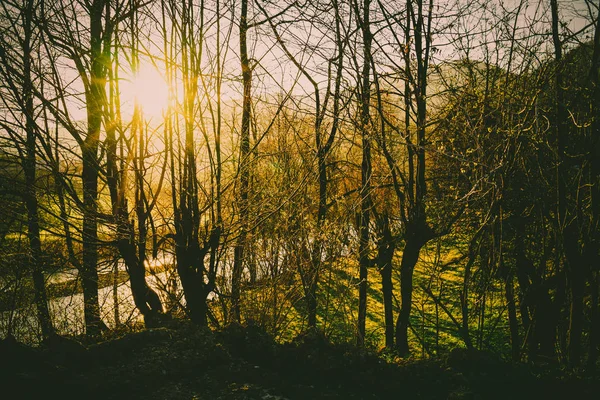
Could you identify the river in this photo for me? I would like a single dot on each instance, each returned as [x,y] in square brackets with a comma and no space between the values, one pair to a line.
[67,312]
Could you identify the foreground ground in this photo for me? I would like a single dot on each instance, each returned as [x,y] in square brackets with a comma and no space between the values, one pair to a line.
[245,363]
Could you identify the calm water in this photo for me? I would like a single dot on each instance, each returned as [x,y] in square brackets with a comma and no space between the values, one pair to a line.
[67,312]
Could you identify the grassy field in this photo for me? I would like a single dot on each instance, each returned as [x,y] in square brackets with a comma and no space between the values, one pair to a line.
[280,306]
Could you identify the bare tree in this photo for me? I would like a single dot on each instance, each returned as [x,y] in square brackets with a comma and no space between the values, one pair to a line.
[19,81]
[132,249]
[323,140]
[362,13]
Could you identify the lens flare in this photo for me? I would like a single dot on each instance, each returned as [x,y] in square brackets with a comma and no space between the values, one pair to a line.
[149,89]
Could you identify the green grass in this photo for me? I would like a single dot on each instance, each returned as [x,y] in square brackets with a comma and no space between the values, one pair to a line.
[439,268]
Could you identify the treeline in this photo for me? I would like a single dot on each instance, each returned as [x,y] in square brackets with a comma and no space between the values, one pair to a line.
[416,174]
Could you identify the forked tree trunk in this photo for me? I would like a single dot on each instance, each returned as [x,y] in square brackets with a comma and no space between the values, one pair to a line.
[133,254]
[191,248]
[417,231]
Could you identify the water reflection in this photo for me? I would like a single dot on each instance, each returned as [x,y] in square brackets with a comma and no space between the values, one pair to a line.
[67,311]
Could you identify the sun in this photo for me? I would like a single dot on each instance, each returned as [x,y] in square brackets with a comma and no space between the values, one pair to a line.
[149,89]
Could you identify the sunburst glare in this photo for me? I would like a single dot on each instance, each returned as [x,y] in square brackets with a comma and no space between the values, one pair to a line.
[149,88]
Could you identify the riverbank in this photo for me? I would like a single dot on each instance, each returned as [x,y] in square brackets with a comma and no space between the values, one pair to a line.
[64,290]
[67,283]
[184,362]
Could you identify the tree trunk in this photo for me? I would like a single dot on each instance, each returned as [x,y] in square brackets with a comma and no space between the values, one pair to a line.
[576,274]
[311,296]
[89,151]
[594,339]
[192,285]
[594,248]
[386,254]
[89,273]
[145,299]
[244,182]
[410,256]
[567,228]
[190,248]
[464,298]
[29,169]
[509,293]
[316,258]
[418,232]
[366,172]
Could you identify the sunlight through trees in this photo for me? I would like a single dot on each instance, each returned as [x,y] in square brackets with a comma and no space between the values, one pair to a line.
[413,175]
